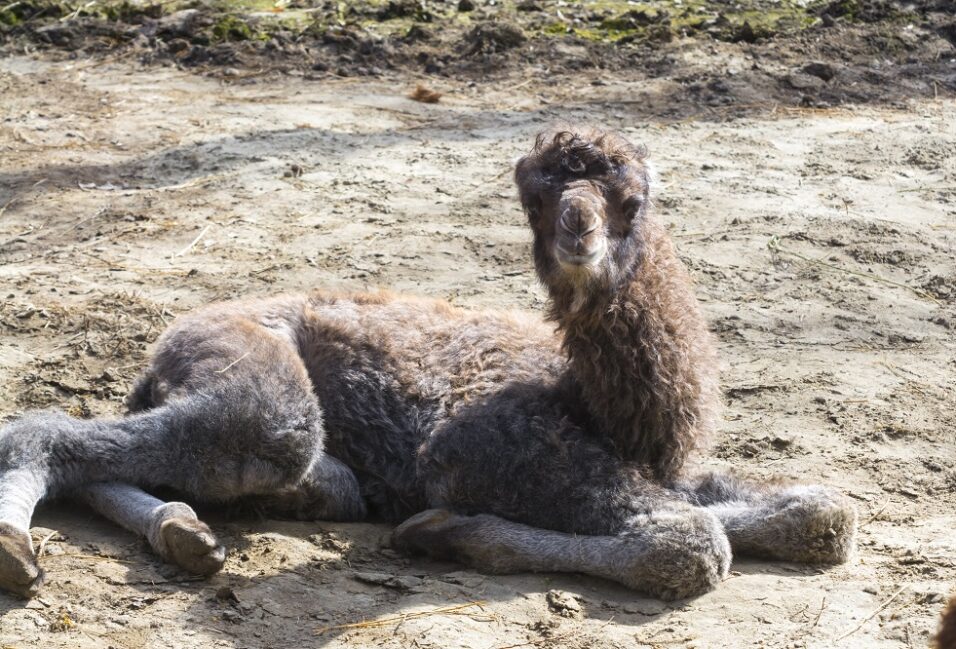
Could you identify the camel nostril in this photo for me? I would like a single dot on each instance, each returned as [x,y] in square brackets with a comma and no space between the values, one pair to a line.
[568,222]
[577,224]
[589,230]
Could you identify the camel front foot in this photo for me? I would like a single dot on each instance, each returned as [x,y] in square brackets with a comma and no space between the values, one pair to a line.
[675,554]
[805,524]
[670,555]
[824,524]
[19,572]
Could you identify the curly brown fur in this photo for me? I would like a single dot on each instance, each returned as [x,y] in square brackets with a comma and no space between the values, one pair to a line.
[638,346]
[946,637]
[544,452]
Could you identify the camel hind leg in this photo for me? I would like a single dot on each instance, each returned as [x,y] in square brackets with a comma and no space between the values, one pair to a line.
[789,522]
[172,528]
[20,490]
[231,431]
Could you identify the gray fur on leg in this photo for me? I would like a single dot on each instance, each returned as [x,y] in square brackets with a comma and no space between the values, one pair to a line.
[791,522]
[330,491]
[808,524]
[172,529]
[669,554]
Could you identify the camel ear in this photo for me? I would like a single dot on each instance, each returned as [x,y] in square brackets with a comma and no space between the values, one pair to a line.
[637,152]
[651,179]
[623,151]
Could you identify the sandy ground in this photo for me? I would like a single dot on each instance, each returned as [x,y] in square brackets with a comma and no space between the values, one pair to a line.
[129,196]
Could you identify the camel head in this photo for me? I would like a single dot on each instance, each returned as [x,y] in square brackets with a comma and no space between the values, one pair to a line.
[585,193]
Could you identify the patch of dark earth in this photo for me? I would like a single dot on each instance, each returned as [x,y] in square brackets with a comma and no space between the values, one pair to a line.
[716,58]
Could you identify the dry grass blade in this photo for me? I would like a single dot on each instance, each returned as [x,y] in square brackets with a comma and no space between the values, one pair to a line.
[458,609]
[938,188]
[889,600]
[193,242]
[230,365]
[875,514]
[776,248]
[76,12]
[42,546]
[3,208]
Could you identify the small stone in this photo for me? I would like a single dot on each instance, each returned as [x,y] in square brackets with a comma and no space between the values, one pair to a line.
[232,616]
[820,70]
[227,594]
[466,5]
[803,81]
[780,443]
[562,603]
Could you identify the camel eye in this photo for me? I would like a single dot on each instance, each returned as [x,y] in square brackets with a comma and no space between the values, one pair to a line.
[533,207]
[632,207]
[574,164]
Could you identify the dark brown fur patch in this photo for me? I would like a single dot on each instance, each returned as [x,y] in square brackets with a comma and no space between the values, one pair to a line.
[946,638]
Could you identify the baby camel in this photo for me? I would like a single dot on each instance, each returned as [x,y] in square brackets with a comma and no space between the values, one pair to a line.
[511,447]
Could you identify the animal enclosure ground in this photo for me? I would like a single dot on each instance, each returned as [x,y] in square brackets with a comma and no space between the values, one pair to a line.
[822,244]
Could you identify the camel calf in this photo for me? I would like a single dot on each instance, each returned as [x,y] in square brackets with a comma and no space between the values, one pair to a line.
[501,440]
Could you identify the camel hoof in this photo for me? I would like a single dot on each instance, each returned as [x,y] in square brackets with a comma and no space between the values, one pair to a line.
[191,545]
[425,532]
[19,572]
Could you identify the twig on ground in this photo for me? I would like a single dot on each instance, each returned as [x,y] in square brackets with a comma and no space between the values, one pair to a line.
[8,204]
[889,600]
[776,248]
[89,557]
[816,621]
[937,188]
[43,542]
[875,514]
[459,609]
[193,242]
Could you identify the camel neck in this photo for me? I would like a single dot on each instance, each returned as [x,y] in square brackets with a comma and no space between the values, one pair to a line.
[643,360]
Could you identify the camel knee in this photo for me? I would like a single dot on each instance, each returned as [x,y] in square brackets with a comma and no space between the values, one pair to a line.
[247,440]
[330,491]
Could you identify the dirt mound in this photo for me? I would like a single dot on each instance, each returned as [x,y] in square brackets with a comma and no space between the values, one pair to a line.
[865,51]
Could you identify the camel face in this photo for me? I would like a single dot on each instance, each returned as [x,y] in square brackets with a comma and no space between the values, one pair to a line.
[584,193]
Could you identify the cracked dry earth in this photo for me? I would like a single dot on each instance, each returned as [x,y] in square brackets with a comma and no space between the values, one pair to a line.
[130,195]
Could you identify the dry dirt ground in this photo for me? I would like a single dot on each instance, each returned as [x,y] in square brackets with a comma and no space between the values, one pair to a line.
[822,243]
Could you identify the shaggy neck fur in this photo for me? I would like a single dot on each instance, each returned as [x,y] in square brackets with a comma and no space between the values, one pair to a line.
[642,357]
